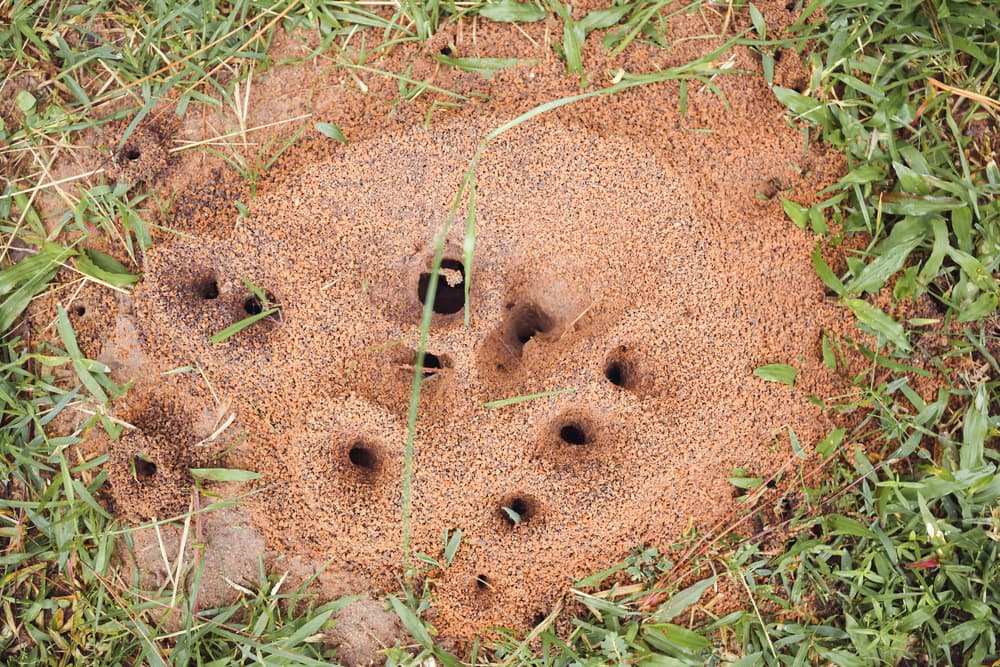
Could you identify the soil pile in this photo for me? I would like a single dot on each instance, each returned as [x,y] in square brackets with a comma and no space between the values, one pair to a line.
[597,270]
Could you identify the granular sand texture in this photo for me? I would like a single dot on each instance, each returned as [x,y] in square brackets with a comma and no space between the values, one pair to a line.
[598,270]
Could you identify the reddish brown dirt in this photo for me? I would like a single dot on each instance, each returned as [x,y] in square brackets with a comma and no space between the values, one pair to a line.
[633,253]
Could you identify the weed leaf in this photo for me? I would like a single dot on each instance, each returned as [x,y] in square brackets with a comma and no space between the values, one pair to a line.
[104,268]
[451,546]
[876,321]
[681,600]
[332,131]
[826,274]
[512,11]
[974,431]
[24,280]
[411,622]
[514,515]
[782,373]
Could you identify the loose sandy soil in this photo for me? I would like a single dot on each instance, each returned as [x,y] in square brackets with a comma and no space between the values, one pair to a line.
[634,254]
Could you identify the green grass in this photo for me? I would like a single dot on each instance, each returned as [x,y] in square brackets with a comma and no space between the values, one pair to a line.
[886,553]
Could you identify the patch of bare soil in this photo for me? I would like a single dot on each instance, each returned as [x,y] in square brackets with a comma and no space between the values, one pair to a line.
[625,250]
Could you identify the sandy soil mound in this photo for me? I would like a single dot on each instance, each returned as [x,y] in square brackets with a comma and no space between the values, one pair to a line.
[597,269]
[632,255]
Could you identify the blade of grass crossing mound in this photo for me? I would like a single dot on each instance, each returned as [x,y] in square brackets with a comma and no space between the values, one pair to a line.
[514,400]
[68,337]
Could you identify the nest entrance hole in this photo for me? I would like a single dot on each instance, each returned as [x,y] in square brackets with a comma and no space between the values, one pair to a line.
[449,298]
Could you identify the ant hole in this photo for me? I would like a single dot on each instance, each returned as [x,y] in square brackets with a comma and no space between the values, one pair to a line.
[787,508]
[483,582]
[447,51]
[252,305]
[450,294]
[131,153]
[521,510]
[573,434]
[771,484]
[363,457]
[80,311]
[144,468]
[616,373]
[527,323]
[208,288]
[619,369]
[432,364]
[538,618]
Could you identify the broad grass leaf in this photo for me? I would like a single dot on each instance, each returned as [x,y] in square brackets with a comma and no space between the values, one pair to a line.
[910,180]
[757,19]
[514,400]
[65,330]
[797,214]
[826,274]
[876,321]
[829,357]
[598,577]
[603,18]
[308,629]
[24,280]
[967,631]
[330,130]
[841,658]
[843,525]
[974,430]
[662,661]
[900,203]
[891,254]
[411,622]
[102,267]
[799,104]
[961,225]
[511,11]
[683,599]
[862,175]
[942,242]
[746,482]
[782,373]
[451,546]
[669,637]
[984,305]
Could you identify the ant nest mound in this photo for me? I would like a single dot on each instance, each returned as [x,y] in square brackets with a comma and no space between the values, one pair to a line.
[637,298]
